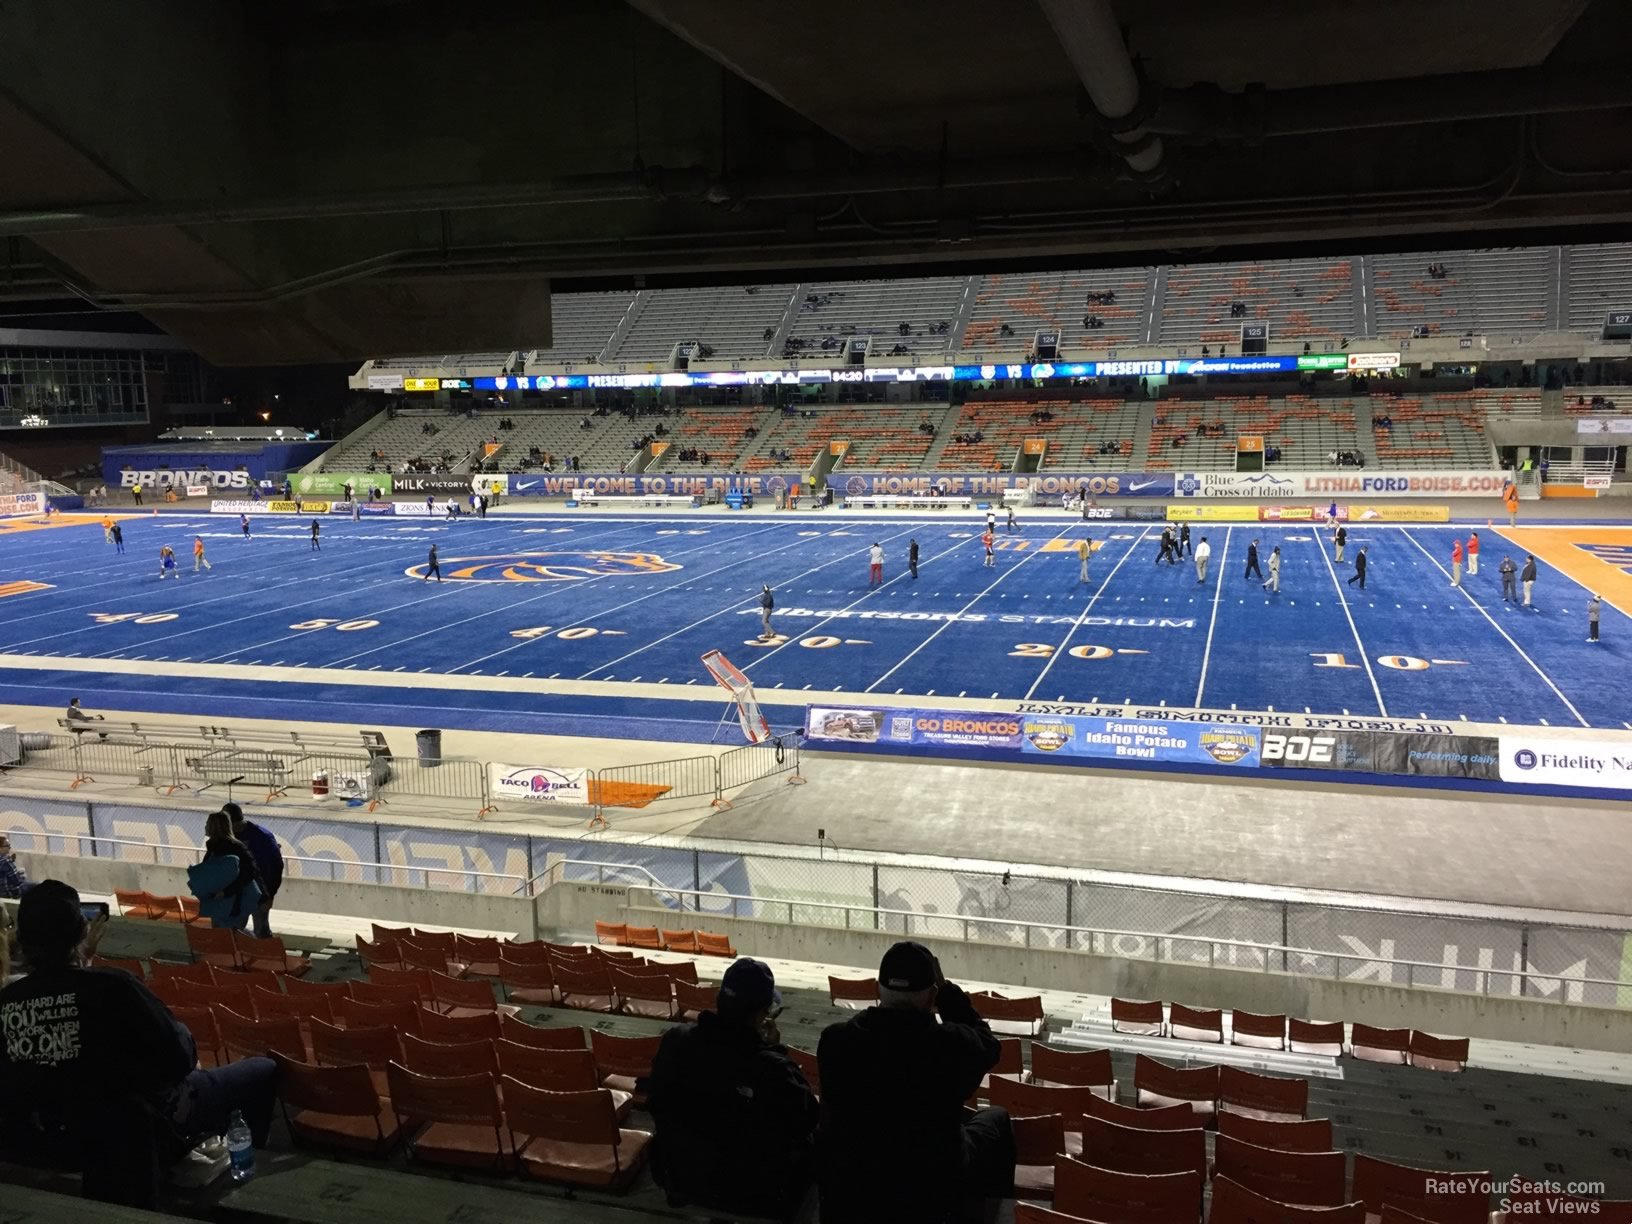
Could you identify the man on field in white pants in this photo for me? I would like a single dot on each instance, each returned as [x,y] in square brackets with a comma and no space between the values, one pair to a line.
[1202,553]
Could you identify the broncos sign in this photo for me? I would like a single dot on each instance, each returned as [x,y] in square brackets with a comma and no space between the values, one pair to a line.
[548,566]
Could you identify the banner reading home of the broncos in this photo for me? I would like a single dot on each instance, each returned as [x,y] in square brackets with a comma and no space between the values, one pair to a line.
[1038,735]
[1050,486]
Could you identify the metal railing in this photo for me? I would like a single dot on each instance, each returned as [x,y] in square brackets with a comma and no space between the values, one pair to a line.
[201,759]
[1102,941]
[350,871]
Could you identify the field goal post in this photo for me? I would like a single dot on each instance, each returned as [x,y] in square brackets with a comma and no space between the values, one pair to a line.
[730,677]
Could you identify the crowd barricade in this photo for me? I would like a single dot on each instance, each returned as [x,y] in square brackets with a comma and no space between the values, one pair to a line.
[268,767]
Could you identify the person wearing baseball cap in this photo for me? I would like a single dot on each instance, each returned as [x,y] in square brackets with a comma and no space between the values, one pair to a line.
[92,1054]
[735,1119]
[895,1143]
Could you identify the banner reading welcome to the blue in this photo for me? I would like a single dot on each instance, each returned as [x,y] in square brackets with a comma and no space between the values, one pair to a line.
[1037,735]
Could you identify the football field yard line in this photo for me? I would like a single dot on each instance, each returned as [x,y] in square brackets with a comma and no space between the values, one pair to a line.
[860,599]
[1468,595]
[234,596]
[124,580]
[1083,615]
[947,624]
[642,598]
[391,580]
[730,607]
[1343,601]
[1218,591]
[438,593]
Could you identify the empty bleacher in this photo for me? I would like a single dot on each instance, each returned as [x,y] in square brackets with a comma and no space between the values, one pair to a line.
[837,310]
[1029,302]
[451,365]
[1446,430]
[1299,299]
[882,437]
[581,326]
[1600,280]
[1484,292]
[405,438]
[715,432]
[1305,429]
[730,320]
[557,432]
[1074,435]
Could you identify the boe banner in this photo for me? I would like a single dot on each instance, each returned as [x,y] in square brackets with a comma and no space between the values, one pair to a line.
[540,784]
[1038,735]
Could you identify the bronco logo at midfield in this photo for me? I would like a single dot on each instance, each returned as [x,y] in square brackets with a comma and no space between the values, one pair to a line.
[548,566]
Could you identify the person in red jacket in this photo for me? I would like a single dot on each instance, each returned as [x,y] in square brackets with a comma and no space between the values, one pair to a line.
[1473,554]
[1456,564]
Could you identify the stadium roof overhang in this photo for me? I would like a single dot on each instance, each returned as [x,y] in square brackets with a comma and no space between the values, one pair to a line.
[324,180]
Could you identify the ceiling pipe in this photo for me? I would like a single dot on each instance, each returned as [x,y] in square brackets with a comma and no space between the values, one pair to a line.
[1092,41]
[645,186]
[1206,112]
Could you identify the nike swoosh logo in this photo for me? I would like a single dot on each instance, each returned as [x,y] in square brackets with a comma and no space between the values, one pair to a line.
[523,485]
[1135,485]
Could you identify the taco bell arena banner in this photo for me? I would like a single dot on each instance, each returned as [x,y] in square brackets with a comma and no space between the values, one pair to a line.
[1037,735]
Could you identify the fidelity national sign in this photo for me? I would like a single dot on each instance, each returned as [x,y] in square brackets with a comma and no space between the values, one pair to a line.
[1600,764]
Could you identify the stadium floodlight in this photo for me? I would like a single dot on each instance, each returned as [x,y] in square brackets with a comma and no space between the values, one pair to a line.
[731,678]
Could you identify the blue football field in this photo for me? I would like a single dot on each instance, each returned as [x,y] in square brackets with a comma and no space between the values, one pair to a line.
[594,623]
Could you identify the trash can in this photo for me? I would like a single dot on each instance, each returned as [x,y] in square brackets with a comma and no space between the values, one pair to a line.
[429,744]
[320,782]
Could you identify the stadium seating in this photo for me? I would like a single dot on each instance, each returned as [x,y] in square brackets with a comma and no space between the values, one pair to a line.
[1074,436]
[1600,280]
[1308,299]
[835,311]
[1491,292]
[1306,429]
[581,326]
[1030,302]
[1090,1157]
[730,320]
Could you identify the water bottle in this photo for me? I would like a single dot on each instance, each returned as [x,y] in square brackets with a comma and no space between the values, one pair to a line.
[240,1148]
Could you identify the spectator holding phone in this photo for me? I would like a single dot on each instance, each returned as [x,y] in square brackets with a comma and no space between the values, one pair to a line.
[96,1067]
[895,1144]
[13,879]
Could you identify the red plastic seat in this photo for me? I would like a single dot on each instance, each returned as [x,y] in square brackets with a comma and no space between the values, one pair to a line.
[623,1061]
[540,1037]
[1157,1084]
[448,1058]
[853,994]
[213,946]
[269,954]
[1141,1019]
[1306,1179]
[1234,1203]
[692,999]
[335,1107]
[1442,1197]
[244,1037]
[472,1026]
[1109,1197]
[527,981]
[572,1137]
[450,1120]
[1083,1068]
[1168,1117]
[1270,1097]
[1257,1031]
[1310,1135]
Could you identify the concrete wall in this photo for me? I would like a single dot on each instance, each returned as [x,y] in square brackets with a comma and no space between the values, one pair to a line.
[392,906]
[1446,1012]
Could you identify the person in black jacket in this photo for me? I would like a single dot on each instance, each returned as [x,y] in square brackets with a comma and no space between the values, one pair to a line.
[1252,562]
[1359,574]
[895,1145]
[91,1058]
[268,856]
[735,1118]
[912,557]
[767,605]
